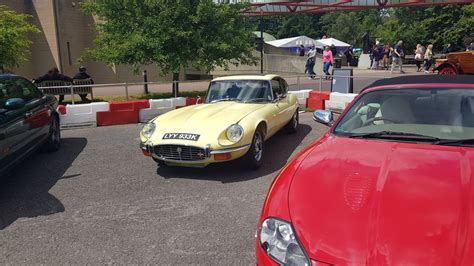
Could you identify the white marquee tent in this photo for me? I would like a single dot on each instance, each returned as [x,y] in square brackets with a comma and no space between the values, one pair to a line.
[329,42]
[292,42]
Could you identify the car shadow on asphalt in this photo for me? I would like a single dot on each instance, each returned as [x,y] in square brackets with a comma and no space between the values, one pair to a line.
[24,192]
[278,150]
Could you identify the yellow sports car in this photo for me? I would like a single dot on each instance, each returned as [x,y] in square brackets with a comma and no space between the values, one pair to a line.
[238,115]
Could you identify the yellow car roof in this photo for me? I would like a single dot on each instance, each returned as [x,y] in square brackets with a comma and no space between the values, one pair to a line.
[247,77]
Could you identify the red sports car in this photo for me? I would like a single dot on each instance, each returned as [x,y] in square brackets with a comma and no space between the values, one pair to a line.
[391,183]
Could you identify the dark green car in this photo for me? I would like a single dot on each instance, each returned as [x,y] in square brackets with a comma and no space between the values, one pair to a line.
[28,120]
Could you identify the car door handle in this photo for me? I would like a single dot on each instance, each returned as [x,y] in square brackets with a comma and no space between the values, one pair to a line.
[28,114]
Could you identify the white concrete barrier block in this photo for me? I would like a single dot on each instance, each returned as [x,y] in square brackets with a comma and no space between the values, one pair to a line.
[100,107]
[75,109]
[78,120]
[342,97]
[180,101]
[82,114]
[335,106]
[148,114]
[161,103]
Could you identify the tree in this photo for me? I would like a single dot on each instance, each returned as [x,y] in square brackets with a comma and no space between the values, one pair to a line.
[293,25]
[437,25]
[171,34]
[14,38]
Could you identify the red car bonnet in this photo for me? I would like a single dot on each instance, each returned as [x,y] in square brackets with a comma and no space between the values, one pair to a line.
[380,202]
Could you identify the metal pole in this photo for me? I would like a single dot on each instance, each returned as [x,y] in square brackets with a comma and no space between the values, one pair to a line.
[72,94]
[320,83]
[145,80]
[261,44]
[126,91]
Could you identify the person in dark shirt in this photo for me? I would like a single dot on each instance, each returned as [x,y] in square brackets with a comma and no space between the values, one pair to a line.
[349,55]
[82,75]
[302,52]
[53,74]
[447,49]
[333,50]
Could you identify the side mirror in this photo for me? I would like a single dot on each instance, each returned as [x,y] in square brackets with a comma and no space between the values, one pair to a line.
[324,117]
[14,103]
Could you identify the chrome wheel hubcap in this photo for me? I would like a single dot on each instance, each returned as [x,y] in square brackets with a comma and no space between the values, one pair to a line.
[258,146]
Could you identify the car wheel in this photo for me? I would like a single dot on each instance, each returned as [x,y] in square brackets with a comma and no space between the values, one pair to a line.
[53,142]
[447,70]
[292,126]
[254,156]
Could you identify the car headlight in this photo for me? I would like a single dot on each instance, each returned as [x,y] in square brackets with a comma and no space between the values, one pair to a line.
[279,242]
[235,133]
[148,130]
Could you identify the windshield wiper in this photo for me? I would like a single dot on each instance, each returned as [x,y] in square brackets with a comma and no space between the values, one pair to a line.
[256,100]
[395,135]
[456,142]
[226,99]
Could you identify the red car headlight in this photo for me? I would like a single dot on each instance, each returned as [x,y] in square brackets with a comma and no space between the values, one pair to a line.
[279,241]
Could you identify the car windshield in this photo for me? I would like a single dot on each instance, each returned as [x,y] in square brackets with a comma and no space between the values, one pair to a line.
[239,90]
[432,114]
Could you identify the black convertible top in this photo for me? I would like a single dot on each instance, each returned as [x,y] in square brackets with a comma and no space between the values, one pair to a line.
[401,80]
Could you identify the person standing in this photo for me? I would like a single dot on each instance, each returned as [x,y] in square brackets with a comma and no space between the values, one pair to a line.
[447,49]
[328,60]
[386,55]
[302,52]
[349,55]
[333,50]
[53,74]
[376,57]
[418,57]
[428,58]
[310,62]
[397,56]
[82,75]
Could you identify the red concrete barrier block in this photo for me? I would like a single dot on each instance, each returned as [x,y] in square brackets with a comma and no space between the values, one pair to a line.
[191,101]
[315,104]
[62,109]
[135,105]
[109,118]
[321,95]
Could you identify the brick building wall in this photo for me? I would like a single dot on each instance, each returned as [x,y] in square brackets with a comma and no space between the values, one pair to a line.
[65,32]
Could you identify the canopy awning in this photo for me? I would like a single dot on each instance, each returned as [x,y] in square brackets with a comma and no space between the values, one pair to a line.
[330,42]
[292,42]
[267,37]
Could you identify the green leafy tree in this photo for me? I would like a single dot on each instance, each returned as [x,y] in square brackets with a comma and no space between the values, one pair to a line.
[171,34]
[437,25]
[14,38]
[293,25]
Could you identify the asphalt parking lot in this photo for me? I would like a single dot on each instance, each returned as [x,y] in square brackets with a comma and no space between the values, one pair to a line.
[98,200]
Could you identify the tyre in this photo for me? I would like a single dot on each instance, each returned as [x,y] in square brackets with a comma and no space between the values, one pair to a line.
[254,157]
[53,143]
[448,70]
[292,125]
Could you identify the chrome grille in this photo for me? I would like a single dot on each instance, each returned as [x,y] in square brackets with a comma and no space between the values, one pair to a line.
[180,152]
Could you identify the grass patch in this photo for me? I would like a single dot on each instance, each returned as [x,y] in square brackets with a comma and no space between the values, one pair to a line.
[162,95]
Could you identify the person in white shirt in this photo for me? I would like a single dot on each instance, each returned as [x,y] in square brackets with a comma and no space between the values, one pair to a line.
[310,61]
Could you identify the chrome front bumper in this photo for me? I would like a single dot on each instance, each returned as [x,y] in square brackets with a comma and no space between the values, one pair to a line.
[149,148]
